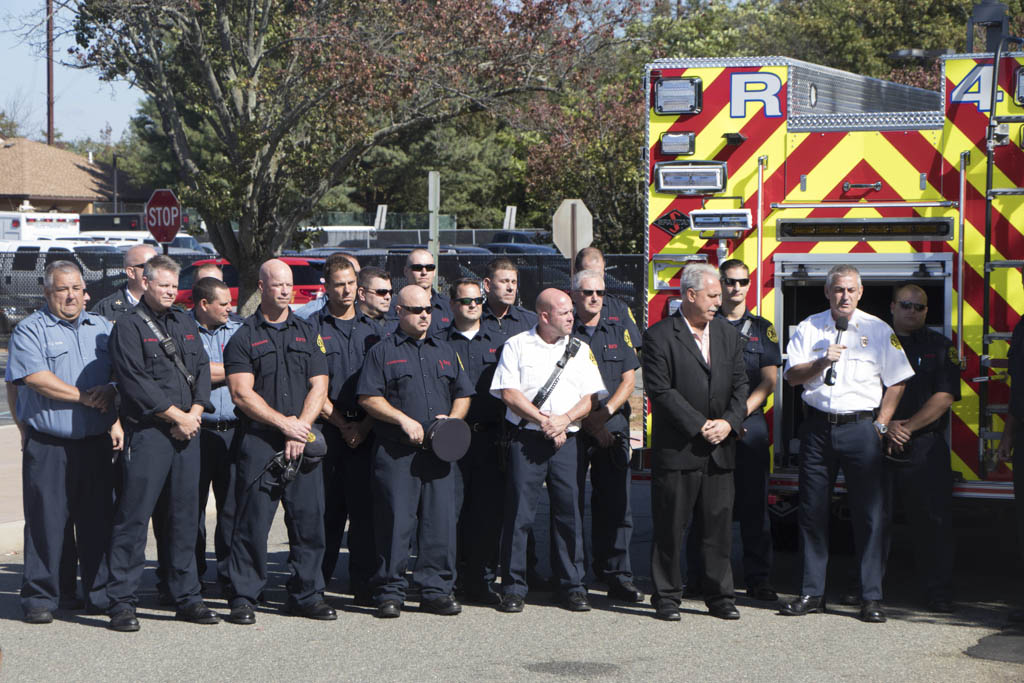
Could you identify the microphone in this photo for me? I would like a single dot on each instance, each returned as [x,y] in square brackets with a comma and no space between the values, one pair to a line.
[841,325]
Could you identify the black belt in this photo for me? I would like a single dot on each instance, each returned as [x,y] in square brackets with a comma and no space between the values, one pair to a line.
[843,418]
[221,425]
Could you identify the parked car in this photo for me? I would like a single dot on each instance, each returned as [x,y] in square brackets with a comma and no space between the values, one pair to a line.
[519,248]
[520,237]
[306,278]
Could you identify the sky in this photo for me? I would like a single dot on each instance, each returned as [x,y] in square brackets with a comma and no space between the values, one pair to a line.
[83,105]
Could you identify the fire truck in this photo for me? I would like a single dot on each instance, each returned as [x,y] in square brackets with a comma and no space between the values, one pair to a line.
[794,168]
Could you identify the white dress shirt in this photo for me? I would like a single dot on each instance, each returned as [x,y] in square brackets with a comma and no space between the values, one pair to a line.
[873,357]
[526,363]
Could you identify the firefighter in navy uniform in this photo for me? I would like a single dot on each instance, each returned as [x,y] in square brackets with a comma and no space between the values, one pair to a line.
[410,379]
[501,314]
[163,375]
[420,270]
[124,300]
[613,308]
[918,467]
[345,332]
[606,448]
[277,373]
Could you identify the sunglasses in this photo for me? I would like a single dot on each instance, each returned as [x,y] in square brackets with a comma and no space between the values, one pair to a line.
[414,310]
[732,281]
[136,265]
[907,305]
[417,267]
[467,300]
[383,292]
[592,292]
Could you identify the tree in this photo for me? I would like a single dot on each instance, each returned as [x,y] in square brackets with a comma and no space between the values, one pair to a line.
[296,93]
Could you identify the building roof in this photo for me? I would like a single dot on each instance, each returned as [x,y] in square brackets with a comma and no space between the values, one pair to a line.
[35,170]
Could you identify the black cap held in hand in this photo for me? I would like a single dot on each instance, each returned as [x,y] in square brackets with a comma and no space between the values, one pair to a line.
[316,447]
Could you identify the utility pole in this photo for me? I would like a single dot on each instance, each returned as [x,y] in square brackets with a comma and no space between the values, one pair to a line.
[49,72]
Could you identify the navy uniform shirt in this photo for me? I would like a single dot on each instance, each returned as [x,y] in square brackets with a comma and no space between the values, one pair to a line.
[346,343]
[760,348]
[612,346]
[1016,370]
[516,319]
[76,352]
[616,310]
[214,342]
[420,377]
[440,314]
[936,368]
[479,357]
[281,357]
[148,380]
[114,306]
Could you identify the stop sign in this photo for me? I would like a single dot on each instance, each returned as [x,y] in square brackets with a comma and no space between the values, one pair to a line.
[572,227]
[163,215]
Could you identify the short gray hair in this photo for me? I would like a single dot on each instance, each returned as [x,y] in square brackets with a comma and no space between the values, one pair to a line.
[160,262]
[63,267]
[581,275]
[842,270]
[694,275]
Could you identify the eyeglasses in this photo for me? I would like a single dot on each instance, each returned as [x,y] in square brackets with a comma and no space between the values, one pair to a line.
[732,281]
[907,305]
[417,267]
[383,292]
[467,300]
[414,310]
[136,265]
[591,292]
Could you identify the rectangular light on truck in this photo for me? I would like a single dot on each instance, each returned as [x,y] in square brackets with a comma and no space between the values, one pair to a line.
[690,177]
[678,96]
[729,220]
[677,144]
[1018,92]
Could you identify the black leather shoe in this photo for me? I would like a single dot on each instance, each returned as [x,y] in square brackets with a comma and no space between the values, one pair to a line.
[851,598]
[625,591]
[197,613]
[724,610]
[446,606]
[805,604]
[389,609]
[242,614]
[871,612]
[763,592]
[483,595]
[318,610]
[511,604]
[38,615]
[576,602]
[667,610]
[940,605]
[124,621]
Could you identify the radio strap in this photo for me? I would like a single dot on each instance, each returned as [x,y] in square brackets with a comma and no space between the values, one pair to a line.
[168,346]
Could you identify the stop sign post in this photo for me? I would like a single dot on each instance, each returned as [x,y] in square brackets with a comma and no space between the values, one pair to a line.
[163,215]
[572,227]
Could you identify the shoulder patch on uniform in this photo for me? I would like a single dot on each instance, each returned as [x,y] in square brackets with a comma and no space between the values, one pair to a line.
[953,356]
[592,359]
[772,335]
[895,341]
[626,338]
[320,343]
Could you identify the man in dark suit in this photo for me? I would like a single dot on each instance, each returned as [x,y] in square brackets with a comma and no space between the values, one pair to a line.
[696,381]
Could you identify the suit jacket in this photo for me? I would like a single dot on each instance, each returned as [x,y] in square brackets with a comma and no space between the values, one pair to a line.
[685,393]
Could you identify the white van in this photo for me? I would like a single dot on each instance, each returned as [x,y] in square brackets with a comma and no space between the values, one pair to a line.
[34,225]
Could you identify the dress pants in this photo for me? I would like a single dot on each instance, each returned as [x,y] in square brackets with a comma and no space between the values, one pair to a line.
[409,486]
[611,524]
[824,448]
[480,493]
[533,460]
[155,466]
[925,487]
[258,490]
[675,495]
[65,483]
[216,469]
[347,499]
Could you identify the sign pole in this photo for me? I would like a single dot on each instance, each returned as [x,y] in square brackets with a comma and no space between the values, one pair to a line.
[572,263]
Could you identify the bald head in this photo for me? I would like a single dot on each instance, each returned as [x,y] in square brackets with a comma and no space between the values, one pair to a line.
[411,295]
[209,270]
[589,258]
[414,311]
[275,287]
[420,269]
[138,255]
[554,314]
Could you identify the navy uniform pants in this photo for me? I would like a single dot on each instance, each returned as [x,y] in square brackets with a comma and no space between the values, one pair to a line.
[410,484]
[611,526]
[824,448]
[257,494]
[347,498]
[480,493]
[925,488]
[155,466]
[532,462]
[216,469]
[65,482]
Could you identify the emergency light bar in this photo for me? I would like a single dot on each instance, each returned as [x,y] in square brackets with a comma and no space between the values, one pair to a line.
[728,220]
[690,177]
[678,96]
[677,144]
[864,228]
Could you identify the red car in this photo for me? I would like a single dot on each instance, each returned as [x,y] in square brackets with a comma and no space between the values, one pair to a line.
[306,276]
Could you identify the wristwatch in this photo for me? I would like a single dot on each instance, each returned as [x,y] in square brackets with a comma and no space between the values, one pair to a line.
[882,428]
